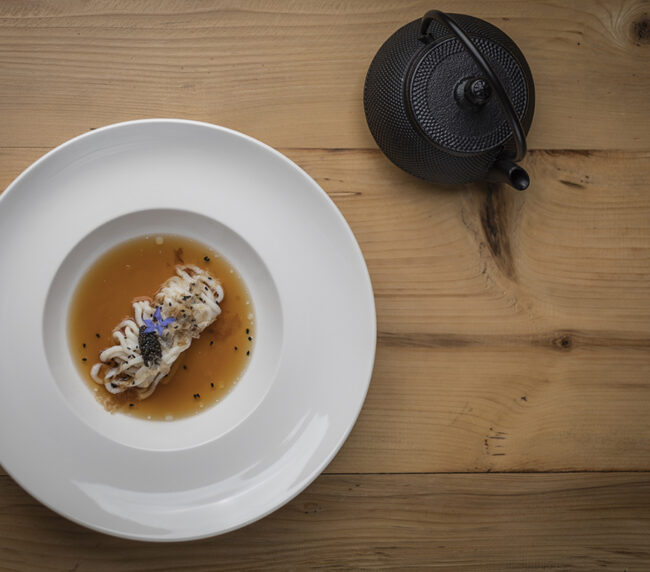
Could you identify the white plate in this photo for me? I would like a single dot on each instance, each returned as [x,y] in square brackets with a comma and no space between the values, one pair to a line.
[315,318]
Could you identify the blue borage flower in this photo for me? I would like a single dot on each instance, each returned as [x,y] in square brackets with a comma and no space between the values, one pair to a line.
[157,324]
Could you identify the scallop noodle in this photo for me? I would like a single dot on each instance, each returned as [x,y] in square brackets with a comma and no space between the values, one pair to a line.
[148,343]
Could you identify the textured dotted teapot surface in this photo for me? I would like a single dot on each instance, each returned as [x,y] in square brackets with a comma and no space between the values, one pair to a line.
[443,141]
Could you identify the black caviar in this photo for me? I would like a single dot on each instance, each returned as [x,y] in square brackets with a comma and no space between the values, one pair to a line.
[149,347]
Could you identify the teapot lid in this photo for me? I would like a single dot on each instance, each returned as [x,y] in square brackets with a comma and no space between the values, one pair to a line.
[451,102]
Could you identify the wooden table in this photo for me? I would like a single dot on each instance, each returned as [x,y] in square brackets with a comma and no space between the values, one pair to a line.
[507,425]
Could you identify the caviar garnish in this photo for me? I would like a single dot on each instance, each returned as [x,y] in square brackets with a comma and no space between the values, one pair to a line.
[149,347]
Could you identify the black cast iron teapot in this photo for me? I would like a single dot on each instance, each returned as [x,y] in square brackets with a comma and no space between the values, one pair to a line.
[449,99]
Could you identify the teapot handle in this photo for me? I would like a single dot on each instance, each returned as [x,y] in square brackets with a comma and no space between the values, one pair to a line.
[484,66]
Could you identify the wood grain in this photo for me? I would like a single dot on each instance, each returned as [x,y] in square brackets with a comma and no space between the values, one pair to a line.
[448,522]
[291,73]
[506,426]
[514,328]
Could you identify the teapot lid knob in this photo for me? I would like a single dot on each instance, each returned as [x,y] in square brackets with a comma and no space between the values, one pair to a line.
[473,92]
[478,91]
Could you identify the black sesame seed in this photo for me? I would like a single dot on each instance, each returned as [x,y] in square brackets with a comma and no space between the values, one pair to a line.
[235,348]
[250,339]
[211,342]
[97,336]
[83,359]
[83,345]
[211,384]
[130,404]
[184,367]
[206,258]
[248,353]
[248,331]
[170,304]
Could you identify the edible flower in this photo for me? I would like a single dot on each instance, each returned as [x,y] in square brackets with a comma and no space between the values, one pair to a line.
[157,324]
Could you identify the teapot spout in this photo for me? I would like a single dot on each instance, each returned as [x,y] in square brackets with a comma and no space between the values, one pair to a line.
[505,171]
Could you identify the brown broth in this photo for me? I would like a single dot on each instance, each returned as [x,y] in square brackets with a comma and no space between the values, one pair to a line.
[210,367]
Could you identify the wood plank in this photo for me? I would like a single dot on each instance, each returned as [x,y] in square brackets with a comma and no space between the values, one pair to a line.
[567,259]
[466,522]
[504,407]
[514,328]
[570,254]
[292,73]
